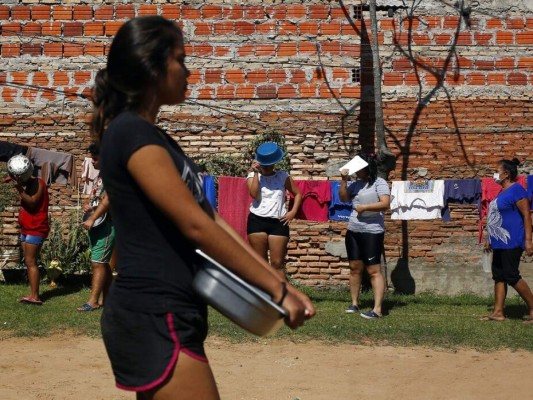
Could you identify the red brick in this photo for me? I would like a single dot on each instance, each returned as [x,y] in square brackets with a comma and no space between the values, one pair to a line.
[223,28]
[307,48]
[277,12]
[455,79]
[505,63]
[93,28]
[410,23]
[40,79]
[463,38]
[351,49]
[125,11]
[517,78]
[202,28]
[221,51]
[451,22]
[51,28]
[332,48]
[496,79]
[287,92]
[244,28]
[287,49]
[515,23]
[4,12]
[147,9]
[33,49]
[190,12]
[504,37]
[232,12]
[476,78]
[253,12]
[341,74]
[318,12]
[296,11]
[202,49]
[20,13]
[266,92]
[11,29]
[104,13]
[308,28]
[245,92]
[402,64]
[266,27]
[31,29]
[482,38]
[19,77]
[40,13]
[225,92]
[325,92]
[62,13]
[9,94]
[399,38]
[421,39]
[246,50]
[393,79]
[297,76]
[48,95]
[82,77]
[338,12]
[442,39]
[206,93]
[525,63]
[72,49]
[94,49]
[257,76]
[308,90]
[263,50]
[411,79]
[194,77]
[235,76]
[72,29]
[82,13]
[213,76]
[11,50]
[61,79]
[463,62]
[432,23]
[112,27]
[432,80]
[53,49]
[494,23]
[387,24]
[277,76]
[330,28]
[524,38]
[485,65]
[211,11]
[287,28]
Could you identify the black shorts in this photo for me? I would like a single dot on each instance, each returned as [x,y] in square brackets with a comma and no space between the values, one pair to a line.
[270,226]
[366,247]
[505,263]
[144,348]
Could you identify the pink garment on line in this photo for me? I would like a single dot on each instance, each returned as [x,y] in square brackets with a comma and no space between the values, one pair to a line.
[315,198]
[88,175]
[234,202]
[489,190]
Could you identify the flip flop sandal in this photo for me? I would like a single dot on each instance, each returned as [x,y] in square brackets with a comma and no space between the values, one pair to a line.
[29,300]
[87,307]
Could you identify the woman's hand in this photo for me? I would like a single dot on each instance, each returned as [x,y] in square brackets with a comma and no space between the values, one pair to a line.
[487,246]
[360,208]
[298,307]
[345,174]
[288,217]
[256,166]
[529,247]
[88,224]
[87,207]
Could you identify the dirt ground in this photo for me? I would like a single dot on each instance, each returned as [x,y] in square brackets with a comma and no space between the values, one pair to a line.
[68,367]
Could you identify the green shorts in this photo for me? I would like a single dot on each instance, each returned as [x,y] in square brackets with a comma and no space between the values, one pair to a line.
[102,240]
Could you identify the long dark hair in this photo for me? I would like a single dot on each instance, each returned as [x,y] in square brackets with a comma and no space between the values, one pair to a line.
[372,167]
[137,57]
[511,166]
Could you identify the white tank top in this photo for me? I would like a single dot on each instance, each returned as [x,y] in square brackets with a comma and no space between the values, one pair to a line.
[271,201]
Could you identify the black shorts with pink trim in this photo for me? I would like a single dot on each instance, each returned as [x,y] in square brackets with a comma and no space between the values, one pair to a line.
[145,348]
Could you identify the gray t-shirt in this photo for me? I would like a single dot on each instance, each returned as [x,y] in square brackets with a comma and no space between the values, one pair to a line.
[362,193]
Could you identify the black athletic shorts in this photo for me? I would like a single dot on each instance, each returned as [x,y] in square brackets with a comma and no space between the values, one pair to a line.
[366,247]
[270,226]
[505,263]
[145,348]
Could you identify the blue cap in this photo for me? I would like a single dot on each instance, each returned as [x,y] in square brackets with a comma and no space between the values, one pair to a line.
[268,153]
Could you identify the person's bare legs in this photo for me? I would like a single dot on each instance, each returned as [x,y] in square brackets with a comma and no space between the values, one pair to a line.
[259,242]
[525,293]
[356,276]
[500,293]
[100,281]
[192,379]
[278,252]
[31,253]
[378,286]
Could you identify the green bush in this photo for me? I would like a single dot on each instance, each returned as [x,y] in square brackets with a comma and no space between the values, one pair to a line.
[68,243]
[7,193]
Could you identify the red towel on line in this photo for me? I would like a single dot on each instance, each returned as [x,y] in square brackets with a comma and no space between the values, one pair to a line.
[315,198]
[234,202]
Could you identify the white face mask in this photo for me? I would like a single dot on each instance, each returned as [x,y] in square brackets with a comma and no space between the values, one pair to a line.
[496,177]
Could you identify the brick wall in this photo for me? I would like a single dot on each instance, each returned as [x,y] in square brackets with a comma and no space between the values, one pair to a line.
[457,97]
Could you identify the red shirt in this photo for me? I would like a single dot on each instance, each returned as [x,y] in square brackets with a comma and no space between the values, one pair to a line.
[36,222]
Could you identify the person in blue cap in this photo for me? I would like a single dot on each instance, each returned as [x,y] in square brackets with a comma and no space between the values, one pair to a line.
[269,219]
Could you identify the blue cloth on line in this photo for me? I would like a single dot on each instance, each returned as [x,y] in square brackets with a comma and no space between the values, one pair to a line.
[529,191]
[338,210]
[210,190]
[460,191]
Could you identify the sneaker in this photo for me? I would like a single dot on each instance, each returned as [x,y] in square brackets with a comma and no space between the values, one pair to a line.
[351,309]
[370,315]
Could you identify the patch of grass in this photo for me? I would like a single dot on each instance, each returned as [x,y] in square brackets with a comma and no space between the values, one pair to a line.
[421,320]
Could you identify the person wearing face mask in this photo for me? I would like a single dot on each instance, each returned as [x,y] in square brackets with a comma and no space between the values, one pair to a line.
[370,197]
[509,234]
[33,219]
[268,220]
